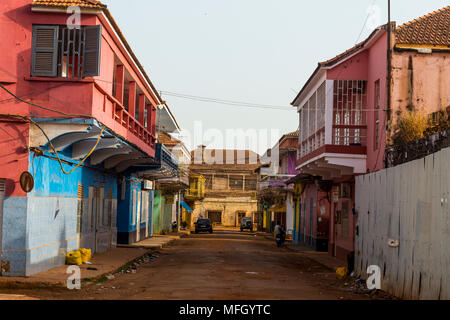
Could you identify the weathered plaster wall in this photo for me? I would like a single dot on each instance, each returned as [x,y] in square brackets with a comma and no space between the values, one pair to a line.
[229,206]
[420,82]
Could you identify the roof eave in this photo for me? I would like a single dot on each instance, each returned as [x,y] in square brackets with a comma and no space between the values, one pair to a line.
[375,35]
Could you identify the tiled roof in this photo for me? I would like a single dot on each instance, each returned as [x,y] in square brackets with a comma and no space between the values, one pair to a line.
[167,140]
[433,29]
[68,3]
[292,134]
[237,156]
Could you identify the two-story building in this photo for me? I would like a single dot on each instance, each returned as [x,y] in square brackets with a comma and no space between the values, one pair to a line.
[275,195]
[77,134]
[223,185]
[348,112]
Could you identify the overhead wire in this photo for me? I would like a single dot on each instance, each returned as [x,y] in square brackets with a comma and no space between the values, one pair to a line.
[71,115]
[53,147]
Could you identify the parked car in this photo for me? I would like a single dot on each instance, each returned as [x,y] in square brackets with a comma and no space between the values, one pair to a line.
[247,223]
[203,225]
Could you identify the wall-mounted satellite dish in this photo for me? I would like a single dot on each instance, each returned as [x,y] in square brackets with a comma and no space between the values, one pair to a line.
[26,181]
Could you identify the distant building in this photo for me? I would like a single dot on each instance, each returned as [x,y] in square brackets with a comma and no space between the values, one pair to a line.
[275,196]
[229,186]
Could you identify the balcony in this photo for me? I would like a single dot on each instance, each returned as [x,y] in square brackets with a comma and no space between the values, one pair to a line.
[275,181]
[165,167]
[197,188]
[333,130]
[114,114]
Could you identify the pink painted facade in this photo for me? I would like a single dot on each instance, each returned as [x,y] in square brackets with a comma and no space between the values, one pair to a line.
[91,96]
[359,121]
[348,140]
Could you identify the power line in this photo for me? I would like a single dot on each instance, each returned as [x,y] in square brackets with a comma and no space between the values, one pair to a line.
[225,102]
[79,164]
[45,108]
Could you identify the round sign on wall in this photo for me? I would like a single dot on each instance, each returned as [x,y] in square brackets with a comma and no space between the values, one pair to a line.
[26,181]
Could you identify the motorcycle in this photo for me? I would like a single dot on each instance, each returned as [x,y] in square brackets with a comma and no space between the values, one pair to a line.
[279,238]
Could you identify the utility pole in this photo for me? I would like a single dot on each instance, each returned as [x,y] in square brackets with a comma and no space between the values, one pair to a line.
[389,67]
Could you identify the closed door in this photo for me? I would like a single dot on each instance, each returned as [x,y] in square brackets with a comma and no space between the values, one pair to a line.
[138,217]
[2,196]
[100,229]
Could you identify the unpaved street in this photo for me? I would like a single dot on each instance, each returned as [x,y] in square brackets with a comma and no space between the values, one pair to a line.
[224,265]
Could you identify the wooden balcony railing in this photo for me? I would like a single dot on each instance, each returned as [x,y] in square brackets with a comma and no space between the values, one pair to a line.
[121,116]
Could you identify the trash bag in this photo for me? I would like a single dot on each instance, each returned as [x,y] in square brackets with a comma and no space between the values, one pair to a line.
[86,254]
[341,272]
[74,258]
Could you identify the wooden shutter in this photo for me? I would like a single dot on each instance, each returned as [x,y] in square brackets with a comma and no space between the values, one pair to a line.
[44,51]
[91,52]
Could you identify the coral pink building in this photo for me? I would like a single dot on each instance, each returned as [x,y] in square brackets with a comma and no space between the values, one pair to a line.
[348,111]
[71,93]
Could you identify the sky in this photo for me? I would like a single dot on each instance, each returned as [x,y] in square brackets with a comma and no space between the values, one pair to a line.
[254,51]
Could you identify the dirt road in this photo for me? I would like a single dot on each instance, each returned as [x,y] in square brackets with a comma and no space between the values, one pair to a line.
[224,265]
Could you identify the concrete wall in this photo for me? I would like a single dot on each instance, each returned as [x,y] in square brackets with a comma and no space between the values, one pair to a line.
[420,81]
[410,204]
[40,228]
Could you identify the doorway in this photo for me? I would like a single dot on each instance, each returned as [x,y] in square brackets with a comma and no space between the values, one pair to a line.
[215,217]
[239,216]
[96,214]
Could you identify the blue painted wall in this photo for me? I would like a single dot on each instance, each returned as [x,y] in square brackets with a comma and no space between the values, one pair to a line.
[38,230]
[125,221]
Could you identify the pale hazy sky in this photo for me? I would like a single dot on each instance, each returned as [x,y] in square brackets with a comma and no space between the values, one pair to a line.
[257,51]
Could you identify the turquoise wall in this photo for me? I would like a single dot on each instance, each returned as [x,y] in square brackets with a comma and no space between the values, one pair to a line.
[39,229]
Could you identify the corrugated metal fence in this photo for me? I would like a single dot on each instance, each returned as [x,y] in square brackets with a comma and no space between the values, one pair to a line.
[408,203]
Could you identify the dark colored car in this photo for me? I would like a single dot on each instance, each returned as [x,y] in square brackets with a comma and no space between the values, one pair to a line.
[246,223]
[203,225]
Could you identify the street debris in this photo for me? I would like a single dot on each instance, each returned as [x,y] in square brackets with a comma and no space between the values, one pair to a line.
[133,267]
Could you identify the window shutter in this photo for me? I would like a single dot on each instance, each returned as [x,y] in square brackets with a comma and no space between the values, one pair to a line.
[91,53]
[44,51]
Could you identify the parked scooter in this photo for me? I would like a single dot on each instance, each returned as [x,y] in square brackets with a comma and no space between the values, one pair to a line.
[174,226]
[280,236]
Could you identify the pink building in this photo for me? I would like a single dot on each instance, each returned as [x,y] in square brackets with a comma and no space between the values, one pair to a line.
[69,94]
[347,117]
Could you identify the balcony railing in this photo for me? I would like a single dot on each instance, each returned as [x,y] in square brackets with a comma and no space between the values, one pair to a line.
[121,116]
[347,110]
[194,193]
[165,156]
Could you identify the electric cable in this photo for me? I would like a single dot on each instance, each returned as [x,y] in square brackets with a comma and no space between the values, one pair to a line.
[51,144]
[45,108]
